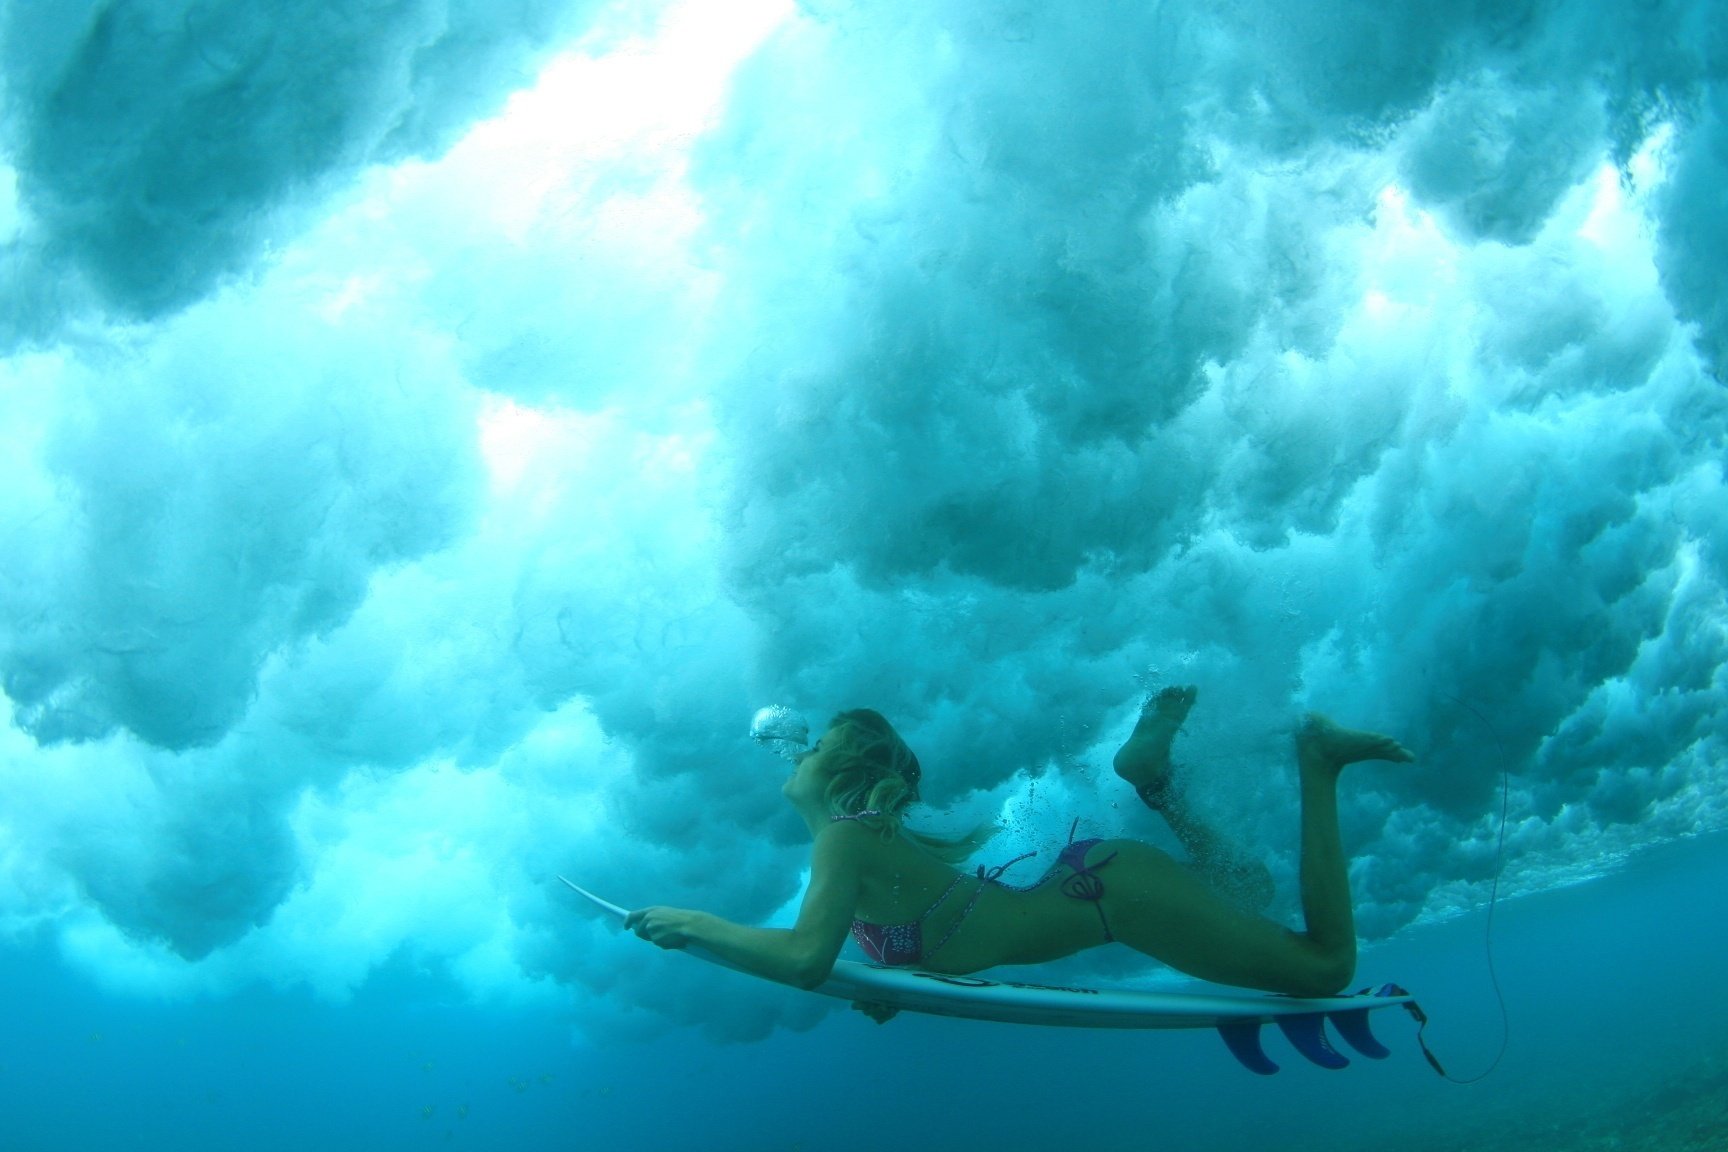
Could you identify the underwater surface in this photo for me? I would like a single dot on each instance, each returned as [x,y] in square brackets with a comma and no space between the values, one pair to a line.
[1615,1024]
[429,432]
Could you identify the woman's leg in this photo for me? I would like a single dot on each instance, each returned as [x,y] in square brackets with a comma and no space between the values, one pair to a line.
[1144,762]
[1159,908]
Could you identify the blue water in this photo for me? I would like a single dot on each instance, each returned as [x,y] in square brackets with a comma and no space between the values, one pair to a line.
[429,430]
[1618,1027]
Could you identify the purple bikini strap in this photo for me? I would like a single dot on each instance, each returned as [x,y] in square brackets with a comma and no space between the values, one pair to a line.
[987,877]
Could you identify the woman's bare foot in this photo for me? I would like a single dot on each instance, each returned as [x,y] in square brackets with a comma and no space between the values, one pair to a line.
[1144,761]
[1322,746]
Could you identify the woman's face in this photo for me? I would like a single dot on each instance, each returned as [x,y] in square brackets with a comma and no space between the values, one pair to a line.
[809,779]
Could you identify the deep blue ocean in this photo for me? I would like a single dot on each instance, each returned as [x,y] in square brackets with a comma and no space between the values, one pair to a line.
[1619,1038]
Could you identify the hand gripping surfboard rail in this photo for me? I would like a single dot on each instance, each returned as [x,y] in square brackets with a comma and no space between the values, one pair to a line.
[1237,1018]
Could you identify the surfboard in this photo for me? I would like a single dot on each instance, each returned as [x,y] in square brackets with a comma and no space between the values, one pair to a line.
[1238,1018]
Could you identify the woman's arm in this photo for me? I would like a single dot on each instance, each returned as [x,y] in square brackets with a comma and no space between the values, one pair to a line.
[802,955]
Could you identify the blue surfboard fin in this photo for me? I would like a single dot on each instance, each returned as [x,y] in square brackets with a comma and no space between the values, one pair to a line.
[1353,1027]
[1307,1033]
[1242,1037]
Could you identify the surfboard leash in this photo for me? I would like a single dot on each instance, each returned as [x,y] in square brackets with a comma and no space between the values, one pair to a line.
[1421,1019]
[1415,1009]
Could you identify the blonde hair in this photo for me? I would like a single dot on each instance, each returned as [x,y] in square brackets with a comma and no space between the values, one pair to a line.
[874,777]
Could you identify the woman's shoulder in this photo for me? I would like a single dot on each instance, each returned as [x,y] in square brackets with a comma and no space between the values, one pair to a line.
[864,839]
[852,830]
[849,845]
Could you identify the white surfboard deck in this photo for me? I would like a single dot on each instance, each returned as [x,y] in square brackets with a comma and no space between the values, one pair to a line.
[1013,1002]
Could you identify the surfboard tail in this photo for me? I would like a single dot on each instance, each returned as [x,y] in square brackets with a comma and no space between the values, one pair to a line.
[1307,1034]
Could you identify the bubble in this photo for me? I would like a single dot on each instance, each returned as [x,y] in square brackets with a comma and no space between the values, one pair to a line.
[780,730]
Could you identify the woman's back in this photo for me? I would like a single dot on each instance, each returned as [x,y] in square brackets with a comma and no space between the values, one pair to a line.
[962,922]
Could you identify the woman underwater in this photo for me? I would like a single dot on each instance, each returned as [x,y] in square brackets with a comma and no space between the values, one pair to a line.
[899,895]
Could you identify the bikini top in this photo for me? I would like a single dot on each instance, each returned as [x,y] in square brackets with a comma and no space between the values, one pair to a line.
[902,945]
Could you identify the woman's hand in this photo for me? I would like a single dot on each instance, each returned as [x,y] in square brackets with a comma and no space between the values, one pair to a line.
[881,1013]
[667,927]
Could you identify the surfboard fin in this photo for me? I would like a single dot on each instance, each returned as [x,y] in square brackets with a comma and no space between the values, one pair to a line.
[1307,1034]
[1353,1027]
[1242,1037]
